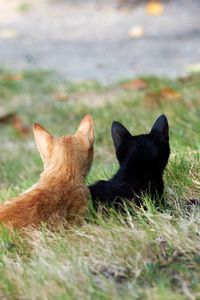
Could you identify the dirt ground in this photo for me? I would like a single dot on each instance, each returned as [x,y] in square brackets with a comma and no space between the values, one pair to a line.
[90,39]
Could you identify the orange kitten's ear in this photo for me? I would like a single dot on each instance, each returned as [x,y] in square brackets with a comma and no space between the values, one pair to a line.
[86,129]
[44,141]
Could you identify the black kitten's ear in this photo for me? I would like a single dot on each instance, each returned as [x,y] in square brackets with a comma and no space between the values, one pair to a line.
[161,127]
[119,134]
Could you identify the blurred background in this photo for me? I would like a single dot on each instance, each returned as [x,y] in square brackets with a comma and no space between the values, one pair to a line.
[104,40]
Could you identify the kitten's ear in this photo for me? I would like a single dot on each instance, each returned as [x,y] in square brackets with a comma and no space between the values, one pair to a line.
[120,136]
[86,130]
[161,127]
[44,141]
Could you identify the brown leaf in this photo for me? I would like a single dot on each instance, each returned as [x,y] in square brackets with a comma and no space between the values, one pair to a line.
[14,77]
[20,126]
[154,8]
[153,100]
[136,84]
[61,96]
[15,121]
[170,94]
[7,118]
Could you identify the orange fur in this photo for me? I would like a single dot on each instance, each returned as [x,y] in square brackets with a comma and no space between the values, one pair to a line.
[61,192]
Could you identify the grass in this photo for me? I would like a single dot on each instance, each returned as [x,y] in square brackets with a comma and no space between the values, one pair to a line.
[143,254]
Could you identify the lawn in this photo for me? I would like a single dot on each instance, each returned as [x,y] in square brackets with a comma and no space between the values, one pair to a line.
[144,254]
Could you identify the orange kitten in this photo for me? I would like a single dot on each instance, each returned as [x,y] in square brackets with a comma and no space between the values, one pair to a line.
[61,193]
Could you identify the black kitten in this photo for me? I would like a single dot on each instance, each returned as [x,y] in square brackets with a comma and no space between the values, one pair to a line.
[142,160]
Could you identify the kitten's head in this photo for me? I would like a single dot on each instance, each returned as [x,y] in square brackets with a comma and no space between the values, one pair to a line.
[70,153]
[146,153]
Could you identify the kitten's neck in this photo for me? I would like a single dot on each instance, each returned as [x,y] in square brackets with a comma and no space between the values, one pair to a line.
[58,172]
[50,181]
[135,173]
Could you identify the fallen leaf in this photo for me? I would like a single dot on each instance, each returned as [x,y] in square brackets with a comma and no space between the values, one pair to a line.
[16,122]
[136,84]
[170,94]
[20,126]
[14,77]
[61,96]
[153,100]
[136,32]
[7,118]
[154,7]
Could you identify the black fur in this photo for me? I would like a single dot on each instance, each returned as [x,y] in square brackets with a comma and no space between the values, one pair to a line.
[142,160]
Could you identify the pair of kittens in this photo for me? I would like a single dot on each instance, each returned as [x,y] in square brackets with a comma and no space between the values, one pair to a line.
[61,194]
